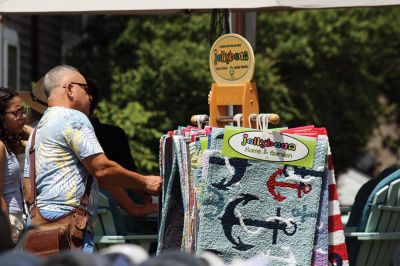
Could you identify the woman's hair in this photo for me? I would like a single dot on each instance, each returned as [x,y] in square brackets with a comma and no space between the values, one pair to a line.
[6,95]
[94,91]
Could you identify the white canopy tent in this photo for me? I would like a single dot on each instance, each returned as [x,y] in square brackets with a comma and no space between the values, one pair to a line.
[171,6]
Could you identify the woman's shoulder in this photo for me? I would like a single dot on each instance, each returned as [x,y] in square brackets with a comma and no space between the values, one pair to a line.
[3,151]
[2,146]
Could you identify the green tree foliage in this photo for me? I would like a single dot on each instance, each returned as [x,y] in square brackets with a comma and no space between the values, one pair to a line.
[153,72]
[324,67]
[328,68]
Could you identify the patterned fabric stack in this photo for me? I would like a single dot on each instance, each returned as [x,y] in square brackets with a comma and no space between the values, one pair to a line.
[239,208]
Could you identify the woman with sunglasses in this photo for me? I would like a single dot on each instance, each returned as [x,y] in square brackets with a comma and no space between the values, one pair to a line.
[13,132]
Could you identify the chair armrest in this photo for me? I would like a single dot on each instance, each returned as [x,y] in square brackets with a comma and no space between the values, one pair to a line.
[107,240]
[374,235]
[134,237]
[123,239]
[387,207]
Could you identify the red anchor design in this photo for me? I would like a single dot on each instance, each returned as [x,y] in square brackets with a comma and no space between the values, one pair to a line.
[272,183]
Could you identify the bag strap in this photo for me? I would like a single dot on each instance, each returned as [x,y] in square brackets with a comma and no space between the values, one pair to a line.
[84,200]
[85,197]
[32,171]
[24,207]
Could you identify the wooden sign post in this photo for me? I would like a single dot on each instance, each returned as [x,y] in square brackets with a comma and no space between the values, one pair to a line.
[232,68]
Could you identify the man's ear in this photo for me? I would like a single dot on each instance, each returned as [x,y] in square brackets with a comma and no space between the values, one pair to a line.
[68,88]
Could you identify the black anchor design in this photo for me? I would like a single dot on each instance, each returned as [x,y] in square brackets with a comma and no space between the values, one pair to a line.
[303,214]
[214,202]
[303,172]
[229,219]
[240,167]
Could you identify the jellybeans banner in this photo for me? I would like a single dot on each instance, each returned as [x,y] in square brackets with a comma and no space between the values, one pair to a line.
[269,146]
[231,60]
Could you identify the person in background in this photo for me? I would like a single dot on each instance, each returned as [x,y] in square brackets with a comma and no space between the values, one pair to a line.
[115,144]
[12,133]
[68,151]
[37,101]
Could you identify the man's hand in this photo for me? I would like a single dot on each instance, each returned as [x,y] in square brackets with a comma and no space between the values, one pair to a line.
[141,210]
[147,198]
[153,184]
[128,205]
[26,132]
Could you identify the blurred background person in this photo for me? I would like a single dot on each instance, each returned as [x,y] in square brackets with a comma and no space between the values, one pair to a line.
[115,144]
[12,133]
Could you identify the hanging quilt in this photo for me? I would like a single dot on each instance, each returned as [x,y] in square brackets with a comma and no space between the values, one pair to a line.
[255,207]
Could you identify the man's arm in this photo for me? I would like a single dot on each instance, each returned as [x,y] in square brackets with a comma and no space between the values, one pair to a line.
[27,187]
[126,203]
[26,180]
[110,173]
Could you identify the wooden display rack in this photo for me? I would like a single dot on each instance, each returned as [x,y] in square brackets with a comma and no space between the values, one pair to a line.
[232,67]
[242,95]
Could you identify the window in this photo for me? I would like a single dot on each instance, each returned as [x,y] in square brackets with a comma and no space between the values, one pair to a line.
[12,67]
[10,54]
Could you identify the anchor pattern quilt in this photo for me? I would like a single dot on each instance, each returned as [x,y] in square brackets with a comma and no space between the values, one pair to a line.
[253,207]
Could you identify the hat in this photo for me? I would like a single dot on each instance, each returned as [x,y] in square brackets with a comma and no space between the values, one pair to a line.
[36,98]
[76,258]
[134,254]
[13,258]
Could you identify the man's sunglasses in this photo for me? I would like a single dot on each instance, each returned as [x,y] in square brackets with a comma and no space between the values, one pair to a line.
[82,85]
[19,113]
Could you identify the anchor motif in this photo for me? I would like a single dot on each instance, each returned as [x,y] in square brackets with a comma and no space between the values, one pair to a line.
[303,172]
[238,168]
[303,214]
[214,202]
[232,217]
[301,187]
[272,183]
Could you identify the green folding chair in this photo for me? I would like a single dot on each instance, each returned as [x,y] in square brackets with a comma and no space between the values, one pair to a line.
[110,228]
[375,239]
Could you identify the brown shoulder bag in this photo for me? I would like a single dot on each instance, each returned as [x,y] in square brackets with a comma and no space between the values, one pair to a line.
[50,236]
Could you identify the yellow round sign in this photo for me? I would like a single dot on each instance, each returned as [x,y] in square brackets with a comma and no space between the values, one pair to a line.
[231,60]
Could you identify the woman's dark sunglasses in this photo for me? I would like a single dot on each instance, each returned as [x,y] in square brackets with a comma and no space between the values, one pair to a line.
[19,113]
